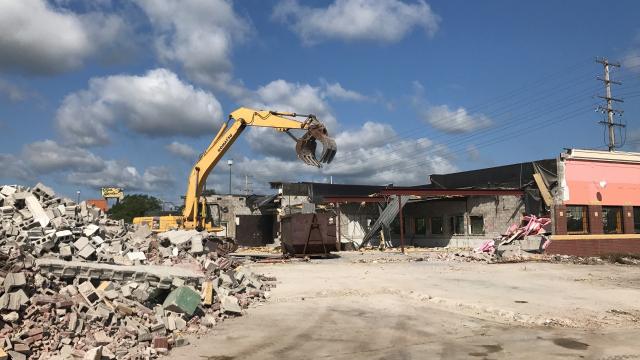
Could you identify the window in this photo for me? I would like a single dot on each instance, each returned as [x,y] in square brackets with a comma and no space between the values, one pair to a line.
[612,219]
[457,225]
[476,224]
[636,219]
[577,219]
[420,226]
[436,225]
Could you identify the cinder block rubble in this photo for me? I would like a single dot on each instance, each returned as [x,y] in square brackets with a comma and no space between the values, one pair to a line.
[75,284]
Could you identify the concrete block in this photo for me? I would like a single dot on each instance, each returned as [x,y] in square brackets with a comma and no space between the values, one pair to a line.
[170,323]
[65,251]
[180,341]
[3,354]
[36,210]
[43,192]
[22,348]
[13,301]
[210,265]
[25,214]
[177,282]
[125,290]
[64,236]
[180,323]
[97,240]
[89,293]
[230,304]
[13,281]
[11,317]
[180,238]
[142,231]
[87,252]
[196,245]
[81,243]
[182,300]
[136,256]
[90,230]
[93,354]
[7,190]
[165,252]
[58,222]
[16,355]
[208,320]
[102,338]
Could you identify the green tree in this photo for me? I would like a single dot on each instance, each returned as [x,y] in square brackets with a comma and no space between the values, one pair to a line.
[135,205]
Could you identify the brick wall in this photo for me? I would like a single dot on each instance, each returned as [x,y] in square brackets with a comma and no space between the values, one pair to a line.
[595,219]
[594,247]
[627,219]
[560,221]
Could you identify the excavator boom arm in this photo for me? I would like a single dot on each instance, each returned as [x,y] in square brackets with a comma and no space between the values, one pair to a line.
[231,130]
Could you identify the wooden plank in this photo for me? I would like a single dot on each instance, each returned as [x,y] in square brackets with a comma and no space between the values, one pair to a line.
[544,191]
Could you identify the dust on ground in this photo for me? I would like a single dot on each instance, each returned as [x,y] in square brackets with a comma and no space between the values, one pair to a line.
[385,305]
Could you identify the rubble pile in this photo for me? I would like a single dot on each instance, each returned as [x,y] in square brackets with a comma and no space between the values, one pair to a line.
[77,285]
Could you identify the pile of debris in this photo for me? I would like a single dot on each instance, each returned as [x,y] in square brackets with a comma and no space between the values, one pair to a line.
[75,284]
[531,234]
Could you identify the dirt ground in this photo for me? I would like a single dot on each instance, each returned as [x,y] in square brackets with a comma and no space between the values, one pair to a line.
[384,306]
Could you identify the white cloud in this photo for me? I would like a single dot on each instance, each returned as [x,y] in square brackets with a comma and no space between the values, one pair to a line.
[457,120]
[364,154]
[13,92]
[364,157]
[280,95]
[48,156]
[13,168]
[37,38]
[156,104]
[121,174]
[336,91]
[199,35]
[632,61]
[81,167]
[183,151]
[379,20]
[370,135]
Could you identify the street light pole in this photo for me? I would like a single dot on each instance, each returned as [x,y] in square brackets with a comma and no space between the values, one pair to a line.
[78,197]
[230,162]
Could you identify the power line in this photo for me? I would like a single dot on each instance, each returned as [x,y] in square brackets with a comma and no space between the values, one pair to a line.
[526,90]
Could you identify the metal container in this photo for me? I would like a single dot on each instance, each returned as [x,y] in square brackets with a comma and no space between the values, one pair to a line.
[254,230]
[308,234]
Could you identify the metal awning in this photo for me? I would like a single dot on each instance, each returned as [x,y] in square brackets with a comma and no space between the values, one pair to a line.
[353,199]
[450,192]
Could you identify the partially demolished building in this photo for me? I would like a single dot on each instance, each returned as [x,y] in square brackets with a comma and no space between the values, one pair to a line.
[592,198]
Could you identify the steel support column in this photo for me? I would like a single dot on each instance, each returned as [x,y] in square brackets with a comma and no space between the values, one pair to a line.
[401,223]
[337,205]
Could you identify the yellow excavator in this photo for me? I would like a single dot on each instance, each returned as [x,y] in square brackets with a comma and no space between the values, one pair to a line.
[200,215]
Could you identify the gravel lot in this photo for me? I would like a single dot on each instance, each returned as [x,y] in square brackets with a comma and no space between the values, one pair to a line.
[389,306]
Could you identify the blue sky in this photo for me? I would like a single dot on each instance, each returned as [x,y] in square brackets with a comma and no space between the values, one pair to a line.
[128,93]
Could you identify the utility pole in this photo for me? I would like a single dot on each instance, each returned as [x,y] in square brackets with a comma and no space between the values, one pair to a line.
[609,110]
[230,162]
[247,190]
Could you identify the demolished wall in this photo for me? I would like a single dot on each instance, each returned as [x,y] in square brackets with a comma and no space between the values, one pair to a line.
[76,284]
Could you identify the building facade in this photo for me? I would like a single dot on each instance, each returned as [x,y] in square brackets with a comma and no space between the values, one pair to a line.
[597,203]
